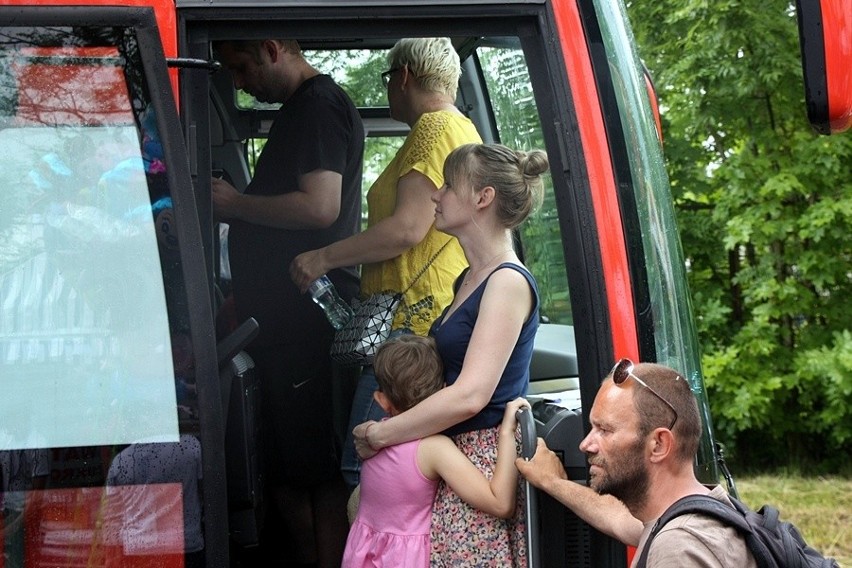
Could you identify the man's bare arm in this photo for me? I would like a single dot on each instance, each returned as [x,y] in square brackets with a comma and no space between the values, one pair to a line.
[604,512]
[315,205]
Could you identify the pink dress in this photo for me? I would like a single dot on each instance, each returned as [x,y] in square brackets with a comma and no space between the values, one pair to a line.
[391,529]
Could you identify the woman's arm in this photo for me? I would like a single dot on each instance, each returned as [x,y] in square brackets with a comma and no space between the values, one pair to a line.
[438,456]
[412,217]
[494,336]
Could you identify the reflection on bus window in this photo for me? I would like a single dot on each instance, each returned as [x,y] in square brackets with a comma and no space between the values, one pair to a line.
[94,332]
[508,80]
[80,267]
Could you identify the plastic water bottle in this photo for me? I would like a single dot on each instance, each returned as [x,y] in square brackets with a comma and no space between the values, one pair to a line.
[325,295]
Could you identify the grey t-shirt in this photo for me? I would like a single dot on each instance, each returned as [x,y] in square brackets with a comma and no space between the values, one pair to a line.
[696,541]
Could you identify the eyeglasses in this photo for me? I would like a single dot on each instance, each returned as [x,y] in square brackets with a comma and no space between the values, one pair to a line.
[387,75]
[624,369]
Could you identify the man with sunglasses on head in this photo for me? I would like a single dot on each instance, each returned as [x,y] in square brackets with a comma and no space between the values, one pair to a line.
[641,450]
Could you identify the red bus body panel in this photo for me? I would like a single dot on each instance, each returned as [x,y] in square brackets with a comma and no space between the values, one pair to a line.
[837,36]
[616,271]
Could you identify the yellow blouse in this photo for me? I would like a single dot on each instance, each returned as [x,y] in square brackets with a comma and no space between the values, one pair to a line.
[431,139]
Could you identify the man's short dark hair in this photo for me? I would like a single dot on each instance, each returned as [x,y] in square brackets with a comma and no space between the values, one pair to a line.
[653,413]
[252,46]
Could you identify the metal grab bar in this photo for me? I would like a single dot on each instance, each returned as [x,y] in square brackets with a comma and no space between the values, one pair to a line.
[529,440]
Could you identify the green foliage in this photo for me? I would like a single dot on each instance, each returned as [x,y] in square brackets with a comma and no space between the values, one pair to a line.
[765,210]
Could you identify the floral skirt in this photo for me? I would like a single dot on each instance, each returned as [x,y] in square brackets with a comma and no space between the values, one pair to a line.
[464,536]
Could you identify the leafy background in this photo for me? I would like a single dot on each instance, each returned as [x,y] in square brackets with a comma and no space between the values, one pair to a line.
[764,206]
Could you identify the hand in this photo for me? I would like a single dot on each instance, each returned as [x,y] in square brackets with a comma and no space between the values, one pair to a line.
[225,197]
[362,445]
[307,267]
[544,467]
[510,419]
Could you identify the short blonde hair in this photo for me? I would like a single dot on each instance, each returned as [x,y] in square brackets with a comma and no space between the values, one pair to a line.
[408,369]
[433,61]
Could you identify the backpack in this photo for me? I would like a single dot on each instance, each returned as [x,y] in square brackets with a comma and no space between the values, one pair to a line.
[772,542]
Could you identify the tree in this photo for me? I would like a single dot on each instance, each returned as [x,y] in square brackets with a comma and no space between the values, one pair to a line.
[765,210]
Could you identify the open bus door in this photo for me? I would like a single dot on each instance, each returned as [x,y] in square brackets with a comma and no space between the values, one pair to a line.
[104,339]
[556,74]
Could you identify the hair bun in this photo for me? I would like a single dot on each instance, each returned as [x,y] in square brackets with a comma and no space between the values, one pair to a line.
[533,163]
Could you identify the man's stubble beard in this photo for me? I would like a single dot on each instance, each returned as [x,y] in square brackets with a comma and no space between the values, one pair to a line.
[625,478]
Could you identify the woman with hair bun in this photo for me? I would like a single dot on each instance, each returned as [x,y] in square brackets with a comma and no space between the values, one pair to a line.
[485,338]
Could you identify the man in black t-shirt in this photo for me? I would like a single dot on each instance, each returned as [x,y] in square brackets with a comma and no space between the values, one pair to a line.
[305,194]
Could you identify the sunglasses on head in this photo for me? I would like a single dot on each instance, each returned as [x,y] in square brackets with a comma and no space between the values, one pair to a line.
[624,369]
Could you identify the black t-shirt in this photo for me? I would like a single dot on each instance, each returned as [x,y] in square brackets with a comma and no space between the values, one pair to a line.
[318,127]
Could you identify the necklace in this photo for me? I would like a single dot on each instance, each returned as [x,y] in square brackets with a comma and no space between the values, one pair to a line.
[469,276]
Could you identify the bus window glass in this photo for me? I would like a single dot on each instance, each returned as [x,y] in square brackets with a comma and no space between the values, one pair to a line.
[661,245]
[516,115]
[676,341]
[95,352]
[78,225]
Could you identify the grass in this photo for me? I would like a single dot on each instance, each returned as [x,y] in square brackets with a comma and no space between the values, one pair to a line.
[821,507]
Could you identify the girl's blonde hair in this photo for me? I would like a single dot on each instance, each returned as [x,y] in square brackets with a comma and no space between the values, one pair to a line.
[433,61]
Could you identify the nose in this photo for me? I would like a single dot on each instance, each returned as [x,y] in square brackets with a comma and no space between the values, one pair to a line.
[586,445]
[436,195]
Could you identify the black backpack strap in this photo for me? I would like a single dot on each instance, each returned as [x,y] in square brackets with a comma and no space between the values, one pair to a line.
[706,506]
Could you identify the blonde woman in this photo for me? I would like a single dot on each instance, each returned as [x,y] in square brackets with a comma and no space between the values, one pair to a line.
[400,239]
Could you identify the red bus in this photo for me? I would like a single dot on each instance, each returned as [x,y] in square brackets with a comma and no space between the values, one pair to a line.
[112,117]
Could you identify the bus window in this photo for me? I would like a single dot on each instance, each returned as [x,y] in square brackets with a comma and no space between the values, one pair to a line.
[656,259]
[507,77]
[80,224]
[95,351]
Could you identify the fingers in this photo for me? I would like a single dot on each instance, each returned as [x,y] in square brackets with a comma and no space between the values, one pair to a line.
[297,275]
[306,268]
[362,444]
[514,406]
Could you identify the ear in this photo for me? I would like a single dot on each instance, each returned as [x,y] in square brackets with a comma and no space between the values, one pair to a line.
[406,76]
[382,400]
[485,196]
[661,445]
[271,49]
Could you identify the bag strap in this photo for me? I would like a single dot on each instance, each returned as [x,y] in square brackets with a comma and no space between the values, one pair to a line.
[459,279]
[425,268]
[709,507]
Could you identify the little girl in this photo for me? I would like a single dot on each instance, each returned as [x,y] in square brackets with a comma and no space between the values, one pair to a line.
[398,485]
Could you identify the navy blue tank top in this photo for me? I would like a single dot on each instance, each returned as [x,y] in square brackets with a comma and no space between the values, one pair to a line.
[453,338]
